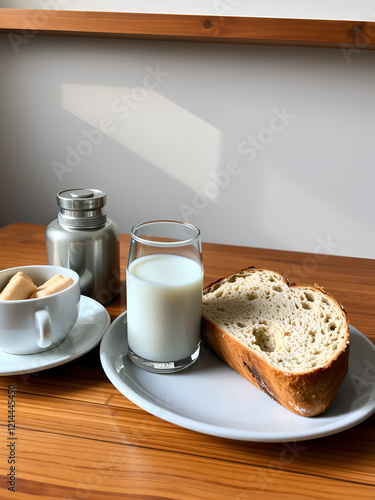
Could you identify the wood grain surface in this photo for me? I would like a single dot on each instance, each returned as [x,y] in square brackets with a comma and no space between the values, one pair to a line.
[344,34]
[79,438]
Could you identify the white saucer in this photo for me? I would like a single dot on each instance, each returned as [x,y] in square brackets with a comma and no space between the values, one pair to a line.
[93,320]
[211,398]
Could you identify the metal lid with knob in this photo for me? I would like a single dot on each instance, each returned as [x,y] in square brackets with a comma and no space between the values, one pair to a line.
[82,208]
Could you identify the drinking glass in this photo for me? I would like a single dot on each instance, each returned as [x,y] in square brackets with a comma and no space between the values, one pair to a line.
[164,282]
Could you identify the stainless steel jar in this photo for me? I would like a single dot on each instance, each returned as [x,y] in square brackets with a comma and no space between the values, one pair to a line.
[82,238]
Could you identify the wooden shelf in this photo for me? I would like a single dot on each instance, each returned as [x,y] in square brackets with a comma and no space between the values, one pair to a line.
[195,28]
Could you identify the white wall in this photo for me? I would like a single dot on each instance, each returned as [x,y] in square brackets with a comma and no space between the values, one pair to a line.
[169,118]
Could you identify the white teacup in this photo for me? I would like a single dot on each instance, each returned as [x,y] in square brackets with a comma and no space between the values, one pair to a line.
[35,325]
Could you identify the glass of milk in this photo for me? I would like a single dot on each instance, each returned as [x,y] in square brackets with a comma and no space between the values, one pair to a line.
[164,282]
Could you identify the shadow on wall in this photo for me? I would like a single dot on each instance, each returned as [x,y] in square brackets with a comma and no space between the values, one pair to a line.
[247,142]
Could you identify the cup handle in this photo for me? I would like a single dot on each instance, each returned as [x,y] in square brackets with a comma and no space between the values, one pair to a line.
[44,328]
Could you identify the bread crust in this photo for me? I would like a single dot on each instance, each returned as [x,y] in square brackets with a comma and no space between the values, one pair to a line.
[305,393]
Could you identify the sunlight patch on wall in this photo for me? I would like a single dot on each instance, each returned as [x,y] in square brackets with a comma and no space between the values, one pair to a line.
[160,131]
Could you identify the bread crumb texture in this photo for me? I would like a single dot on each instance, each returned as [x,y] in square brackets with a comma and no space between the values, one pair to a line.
[294,328]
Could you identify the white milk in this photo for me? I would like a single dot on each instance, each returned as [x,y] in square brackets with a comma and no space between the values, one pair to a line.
[164,299]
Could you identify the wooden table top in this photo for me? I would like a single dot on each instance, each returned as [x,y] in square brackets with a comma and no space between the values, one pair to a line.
[79,438]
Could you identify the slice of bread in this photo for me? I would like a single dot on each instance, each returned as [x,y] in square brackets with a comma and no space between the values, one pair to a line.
[290,341]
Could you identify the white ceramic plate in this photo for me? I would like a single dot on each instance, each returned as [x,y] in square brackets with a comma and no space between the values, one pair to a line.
[211,398]
[93,320]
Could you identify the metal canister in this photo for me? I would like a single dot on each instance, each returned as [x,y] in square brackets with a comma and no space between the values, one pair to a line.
[82,238]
